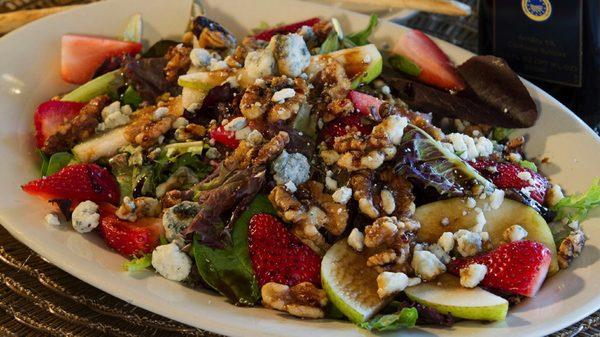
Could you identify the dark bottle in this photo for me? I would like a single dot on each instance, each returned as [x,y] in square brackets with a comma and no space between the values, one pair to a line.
[553,43]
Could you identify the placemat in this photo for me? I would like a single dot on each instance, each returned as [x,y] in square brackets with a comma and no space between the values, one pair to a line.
[38,299]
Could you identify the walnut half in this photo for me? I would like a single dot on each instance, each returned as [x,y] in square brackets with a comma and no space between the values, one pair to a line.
[570,248]
[302,300]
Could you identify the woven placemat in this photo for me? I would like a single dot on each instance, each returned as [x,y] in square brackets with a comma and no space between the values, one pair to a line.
[38,299]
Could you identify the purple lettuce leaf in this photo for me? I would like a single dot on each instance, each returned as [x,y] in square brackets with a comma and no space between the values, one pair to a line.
[220,200]
[427,161]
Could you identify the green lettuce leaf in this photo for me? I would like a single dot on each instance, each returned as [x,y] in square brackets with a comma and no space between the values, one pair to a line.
[404,319]
[58,161]
[44,162]
[331,43]
[577,207]
[131,97]
[137,264]
[528,165]
[229,270]
[123,172]
[427,161]
[362,38]
[336,39]
[500,134]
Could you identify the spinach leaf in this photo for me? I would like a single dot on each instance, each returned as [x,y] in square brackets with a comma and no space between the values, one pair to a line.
[405,318]
[229,270]
[331,43]
[44,162]
[58,161]
[362,38]
[336,39]
[131,97]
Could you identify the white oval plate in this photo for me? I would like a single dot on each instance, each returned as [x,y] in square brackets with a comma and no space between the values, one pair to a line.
[29,74]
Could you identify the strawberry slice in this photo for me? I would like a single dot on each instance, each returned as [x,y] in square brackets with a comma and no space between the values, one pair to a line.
[227,138]
[129,238]
[510,175]
[291,28]
[436,67]
[77,182]
[82,55]
[50,115]
[342,126]
[518,267]
[279,256]
[365,104]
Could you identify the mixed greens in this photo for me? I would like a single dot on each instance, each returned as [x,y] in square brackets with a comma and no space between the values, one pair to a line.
[305,169]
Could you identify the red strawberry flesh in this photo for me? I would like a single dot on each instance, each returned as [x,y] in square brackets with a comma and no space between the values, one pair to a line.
[227,138]
[365,104]
[279,256]
[341,126]
[506,176]
[129,238]
[82,55]
[518,267]
[291,28]
[436,67]
[50,115]
[77,182]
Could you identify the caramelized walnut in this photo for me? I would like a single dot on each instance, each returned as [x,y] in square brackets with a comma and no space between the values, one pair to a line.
[148,126]
[258,99]
[382,258]
[570,248]
[79,129]
[331,85]
[140,207]
[273,148]
[302,300]
[178,62]
[174,197]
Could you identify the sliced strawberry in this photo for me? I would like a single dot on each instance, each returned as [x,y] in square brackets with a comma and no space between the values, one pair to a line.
[364,104]
[77,182]
[291,28]
[129,238]
[342,126]
[227,138]
[518,267]
[436,67]
[50,115]
[279,256]
[510,175]
[82,55]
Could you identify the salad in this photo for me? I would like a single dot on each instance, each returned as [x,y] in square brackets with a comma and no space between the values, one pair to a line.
[309,171]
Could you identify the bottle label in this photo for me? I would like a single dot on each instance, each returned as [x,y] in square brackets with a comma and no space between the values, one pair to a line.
[540,39]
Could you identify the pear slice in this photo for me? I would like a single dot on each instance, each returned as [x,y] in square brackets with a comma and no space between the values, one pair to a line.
[447,296]
[204,80]
[497,220]
[362,64]
[102,146]
[349,283]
